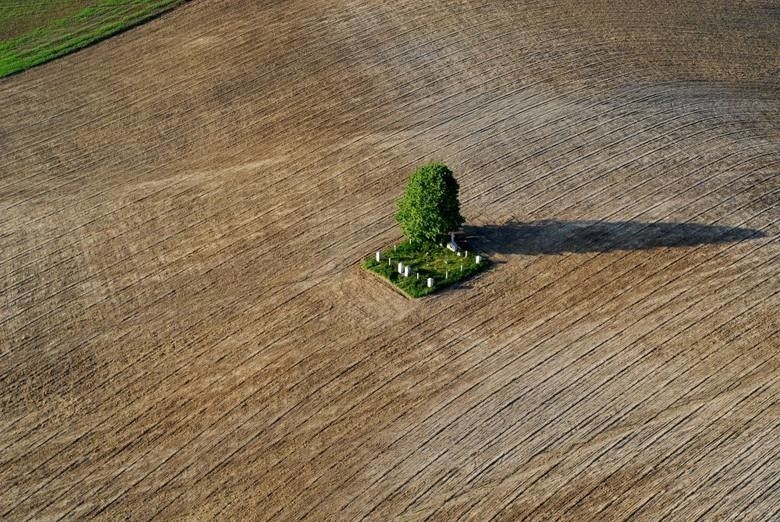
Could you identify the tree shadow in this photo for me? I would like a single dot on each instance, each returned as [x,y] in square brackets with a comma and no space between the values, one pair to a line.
[558,237]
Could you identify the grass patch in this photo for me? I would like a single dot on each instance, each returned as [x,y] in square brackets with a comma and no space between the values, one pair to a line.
[46,34]
[444,266]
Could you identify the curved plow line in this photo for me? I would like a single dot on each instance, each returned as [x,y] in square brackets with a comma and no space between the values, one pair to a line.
[581,496]
[172,89]
[603,430]
[659,436]
[386,149]
[748,503]
[759,389]
[379,37]
[142,198]
[609,426]
[118,262]
[193,188]
[293,101]
[739,458]
[642,299]
[321,147]
[139,155]
[598,389]
[508,432]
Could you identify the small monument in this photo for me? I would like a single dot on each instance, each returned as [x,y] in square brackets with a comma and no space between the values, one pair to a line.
[452,245]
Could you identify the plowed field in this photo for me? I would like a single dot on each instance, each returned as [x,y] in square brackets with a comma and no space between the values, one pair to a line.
[186,331]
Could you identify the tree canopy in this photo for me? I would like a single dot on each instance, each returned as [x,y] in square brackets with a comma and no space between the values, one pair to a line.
[429,209]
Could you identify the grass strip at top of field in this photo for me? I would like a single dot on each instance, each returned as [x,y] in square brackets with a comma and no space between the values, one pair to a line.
[428,260]
[55,37]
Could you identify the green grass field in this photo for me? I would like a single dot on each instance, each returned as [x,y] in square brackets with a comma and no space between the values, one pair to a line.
[444,266]
[34,32]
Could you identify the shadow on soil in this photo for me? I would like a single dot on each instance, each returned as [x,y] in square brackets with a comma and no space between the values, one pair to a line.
[558,237]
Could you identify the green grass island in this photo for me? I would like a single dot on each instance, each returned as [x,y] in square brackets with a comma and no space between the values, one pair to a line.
[424,261]
[428,212]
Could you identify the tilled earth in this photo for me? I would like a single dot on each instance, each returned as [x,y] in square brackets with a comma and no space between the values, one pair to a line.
[186,332]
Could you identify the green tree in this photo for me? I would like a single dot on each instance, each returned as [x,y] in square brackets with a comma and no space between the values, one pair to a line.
[429,209]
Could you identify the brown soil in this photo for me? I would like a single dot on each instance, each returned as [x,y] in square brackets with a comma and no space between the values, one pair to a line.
[186,331]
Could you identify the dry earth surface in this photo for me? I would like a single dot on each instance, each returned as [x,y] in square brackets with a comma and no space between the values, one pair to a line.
[186,331]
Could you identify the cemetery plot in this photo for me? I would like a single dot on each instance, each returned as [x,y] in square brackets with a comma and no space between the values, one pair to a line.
[420,269]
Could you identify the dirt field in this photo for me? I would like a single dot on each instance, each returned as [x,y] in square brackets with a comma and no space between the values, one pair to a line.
[186,331]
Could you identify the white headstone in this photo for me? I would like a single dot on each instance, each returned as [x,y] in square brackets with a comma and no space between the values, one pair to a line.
[430,282]
[400,268]
[378,256]
[478,259]
[406,271]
